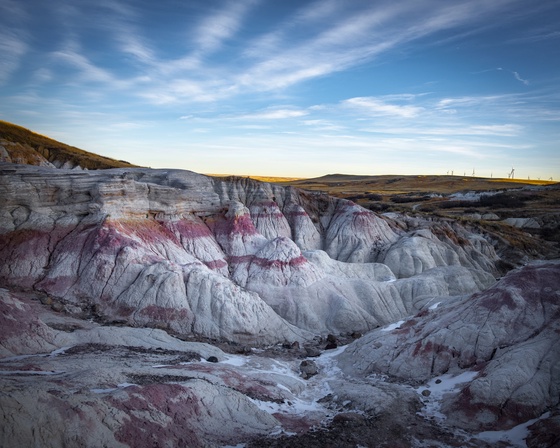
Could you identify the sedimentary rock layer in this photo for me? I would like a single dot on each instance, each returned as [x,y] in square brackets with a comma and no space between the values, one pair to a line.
[225,258]
[508,335]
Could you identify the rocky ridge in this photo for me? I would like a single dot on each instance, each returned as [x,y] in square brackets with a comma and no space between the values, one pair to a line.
[506,336]
[222,258]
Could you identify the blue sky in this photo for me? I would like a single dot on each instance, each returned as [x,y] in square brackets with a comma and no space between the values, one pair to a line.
[291,88]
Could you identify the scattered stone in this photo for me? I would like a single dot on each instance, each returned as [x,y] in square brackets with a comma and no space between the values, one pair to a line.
[356,335]
[312,352]
[326,399]
[46,300]
[438,381]
[308,369]
[57,306]
[212,359]
[73,309]
[545,433]
[332,342]
[66,327]
[349,419]
[426,393]
[244,350]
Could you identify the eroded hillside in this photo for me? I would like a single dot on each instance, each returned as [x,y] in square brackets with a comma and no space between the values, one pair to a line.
[22,146]
[110,279]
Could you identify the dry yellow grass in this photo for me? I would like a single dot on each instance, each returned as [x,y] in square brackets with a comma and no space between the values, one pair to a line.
[348,185]
[269,179]
[52,150]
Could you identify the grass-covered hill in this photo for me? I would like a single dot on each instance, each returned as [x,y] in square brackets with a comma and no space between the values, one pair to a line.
[20,145]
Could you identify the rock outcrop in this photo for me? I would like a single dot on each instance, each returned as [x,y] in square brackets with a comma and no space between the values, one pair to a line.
[224,258]
[98,269]
[75,382]
[506,335]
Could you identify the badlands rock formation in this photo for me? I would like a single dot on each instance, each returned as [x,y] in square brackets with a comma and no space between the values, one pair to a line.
[223,258]
[70,382]
[507,336]
[108,277]
[111,386]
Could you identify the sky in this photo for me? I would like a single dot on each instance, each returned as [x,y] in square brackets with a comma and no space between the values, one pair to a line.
[291,88]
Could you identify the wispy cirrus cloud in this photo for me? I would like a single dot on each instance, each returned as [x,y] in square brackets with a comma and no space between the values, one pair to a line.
[515,74]
[274,114]
[538,36]
[13,38]
[123,22]
[332,37]
[87,70]
[455,129]
[324,125]
[215,29]
[376,106]
[510,130]
[520,79]
[356,35]
[321,51]
[469,101]
[12,49]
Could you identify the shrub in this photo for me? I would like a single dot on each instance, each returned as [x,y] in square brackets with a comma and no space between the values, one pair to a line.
[403,199]
[503,200]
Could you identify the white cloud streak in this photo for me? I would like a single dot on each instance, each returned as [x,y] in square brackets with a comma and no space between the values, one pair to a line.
[13,38]
[89,71]
[218,59]
[272,61]
[520,79]
[375,106]
[353,38]
[12,49]
[274,114]
[217,28]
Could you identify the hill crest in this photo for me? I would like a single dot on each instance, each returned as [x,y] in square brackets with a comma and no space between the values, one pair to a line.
[22,146]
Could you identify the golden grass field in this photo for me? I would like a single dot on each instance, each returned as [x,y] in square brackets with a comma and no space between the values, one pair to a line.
[340,184]
[28,145]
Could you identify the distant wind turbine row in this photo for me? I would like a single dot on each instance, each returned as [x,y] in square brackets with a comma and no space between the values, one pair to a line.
[510,175]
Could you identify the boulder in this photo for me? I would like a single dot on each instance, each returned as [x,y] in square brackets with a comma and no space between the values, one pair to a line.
[308,369]
[524,223]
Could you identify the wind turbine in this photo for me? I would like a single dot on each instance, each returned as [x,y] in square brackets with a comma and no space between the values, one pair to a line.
[510,175]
